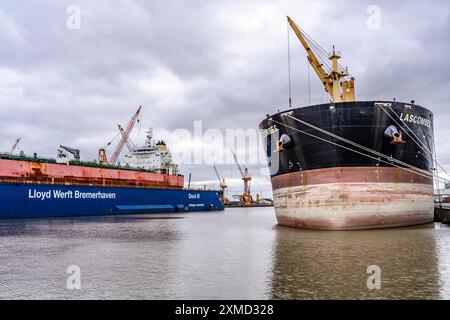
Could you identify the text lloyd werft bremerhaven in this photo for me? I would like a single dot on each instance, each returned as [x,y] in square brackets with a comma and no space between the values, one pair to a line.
[71,194]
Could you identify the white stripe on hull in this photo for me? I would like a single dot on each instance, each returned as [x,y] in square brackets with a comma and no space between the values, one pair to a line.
[351,206]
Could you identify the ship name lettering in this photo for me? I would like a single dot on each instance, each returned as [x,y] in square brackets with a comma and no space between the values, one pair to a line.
[416,119]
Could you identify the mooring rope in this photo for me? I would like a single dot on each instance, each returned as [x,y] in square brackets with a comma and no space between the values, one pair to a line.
[352,143]
[423,146]
[406,125]
[412,169]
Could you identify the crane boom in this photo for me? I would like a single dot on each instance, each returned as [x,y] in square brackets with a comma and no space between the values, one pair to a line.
[75,152]
[217,174]
[125,136]
[13,148]
[339,91]
[238,165]
[127,141]
[317,66]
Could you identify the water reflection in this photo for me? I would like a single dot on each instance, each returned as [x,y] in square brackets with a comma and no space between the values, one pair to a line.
[84,227]
[333,265]
[237,254]
[443,251]
[207,255]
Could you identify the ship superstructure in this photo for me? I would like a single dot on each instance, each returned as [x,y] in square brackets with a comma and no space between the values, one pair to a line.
[153,156]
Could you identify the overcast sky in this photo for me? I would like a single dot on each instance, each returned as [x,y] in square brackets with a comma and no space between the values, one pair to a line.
[222,62]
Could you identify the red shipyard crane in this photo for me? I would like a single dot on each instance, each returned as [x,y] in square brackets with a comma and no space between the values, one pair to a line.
[246,197]
[125,134]
[128,142]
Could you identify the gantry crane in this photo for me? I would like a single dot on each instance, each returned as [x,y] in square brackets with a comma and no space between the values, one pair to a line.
[336,79]
[223,186]
[246,197]
[13,148]
[102,157]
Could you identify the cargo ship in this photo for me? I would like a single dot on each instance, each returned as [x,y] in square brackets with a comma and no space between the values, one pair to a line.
[36,187]
[348,164]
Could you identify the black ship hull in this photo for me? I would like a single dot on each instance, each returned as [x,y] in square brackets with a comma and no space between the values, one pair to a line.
[354,165]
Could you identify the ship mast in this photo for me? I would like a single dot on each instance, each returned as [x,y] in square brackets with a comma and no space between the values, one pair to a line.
[334,80]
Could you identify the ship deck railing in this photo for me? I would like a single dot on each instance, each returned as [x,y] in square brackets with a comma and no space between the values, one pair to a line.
[26,157]
[93,164]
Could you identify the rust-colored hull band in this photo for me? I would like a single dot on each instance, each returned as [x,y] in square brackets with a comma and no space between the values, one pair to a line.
[353,198]
[349,174]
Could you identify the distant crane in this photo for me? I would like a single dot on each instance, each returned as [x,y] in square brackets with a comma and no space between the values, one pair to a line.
[13,148]
[62,157]
[223,186]
[102,157]
[246,197]
[74,152]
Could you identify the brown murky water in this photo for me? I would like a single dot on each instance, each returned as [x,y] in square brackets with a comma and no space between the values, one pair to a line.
[239,254]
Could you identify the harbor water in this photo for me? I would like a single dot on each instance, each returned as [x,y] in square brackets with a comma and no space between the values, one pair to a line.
[235,254]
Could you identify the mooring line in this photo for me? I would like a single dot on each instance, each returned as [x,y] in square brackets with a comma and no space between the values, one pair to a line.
[428,176]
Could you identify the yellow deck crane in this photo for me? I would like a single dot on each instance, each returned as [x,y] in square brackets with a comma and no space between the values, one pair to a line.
[245,198]
[336,79]
[223,187]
